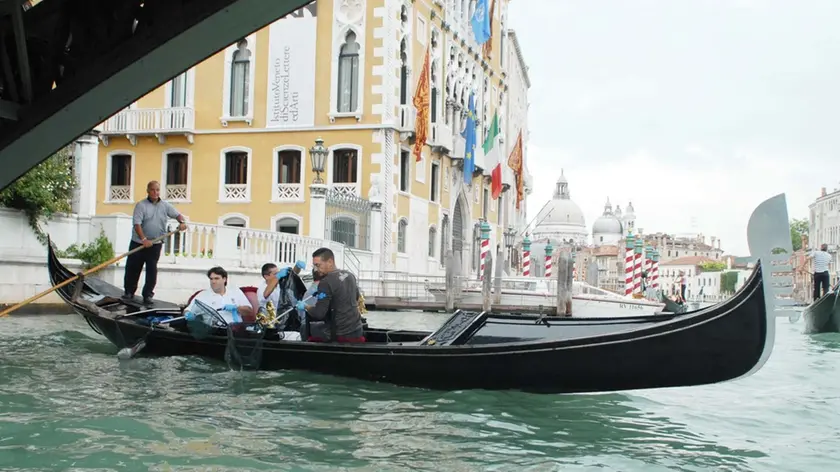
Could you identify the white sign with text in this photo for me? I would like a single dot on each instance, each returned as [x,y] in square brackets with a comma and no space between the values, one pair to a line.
[291,73]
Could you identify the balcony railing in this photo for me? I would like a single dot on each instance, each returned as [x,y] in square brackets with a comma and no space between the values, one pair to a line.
[459,147]
[146,121]
[442,136]
[288,192]
[235,193]
[175,192]
[120,193]
[346,188]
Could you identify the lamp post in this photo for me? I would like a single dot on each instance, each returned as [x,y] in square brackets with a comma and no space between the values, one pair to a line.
[318,156]
[509,234]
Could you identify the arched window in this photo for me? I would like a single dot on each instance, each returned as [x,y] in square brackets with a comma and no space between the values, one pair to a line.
[288,174]
[286,248]
[432,238]
[240,74]
[402,229]
[121,183]
[176,176]
[235,174]
[287,225]
[348,74]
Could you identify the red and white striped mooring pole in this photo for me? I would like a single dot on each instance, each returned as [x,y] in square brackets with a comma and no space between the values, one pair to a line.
[485,247]
[549,249]
[526,257]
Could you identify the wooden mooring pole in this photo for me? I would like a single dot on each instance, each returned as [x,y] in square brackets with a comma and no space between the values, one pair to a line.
[487,282]
[497,286]
[565,266]
[451,286]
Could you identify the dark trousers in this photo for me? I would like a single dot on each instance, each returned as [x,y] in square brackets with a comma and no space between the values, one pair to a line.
[820,279]
[682,291]
[134,265]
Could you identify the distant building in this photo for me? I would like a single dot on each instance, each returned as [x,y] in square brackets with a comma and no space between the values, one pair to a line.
[672,247]
[824,226]
[700,284]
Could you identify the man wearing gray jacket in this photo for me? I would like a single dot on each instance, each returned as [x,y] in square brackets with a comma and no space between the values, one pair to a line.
[337,303]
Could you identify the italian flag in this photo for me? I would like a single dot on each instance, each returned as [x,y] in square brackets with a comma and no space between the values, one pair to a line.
[493,153]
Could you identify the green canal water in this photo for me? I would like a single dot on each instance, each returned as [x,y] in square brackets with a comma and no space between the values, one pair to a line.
[67,403]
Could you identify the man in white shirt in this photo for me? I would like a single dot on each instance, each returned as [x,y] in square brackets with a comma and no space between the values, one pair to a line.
[232,304]
[821,260]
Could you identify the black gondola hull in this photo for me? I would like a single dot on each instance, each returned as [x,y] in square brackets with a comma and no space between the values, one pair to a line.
[823,316]
[565,355]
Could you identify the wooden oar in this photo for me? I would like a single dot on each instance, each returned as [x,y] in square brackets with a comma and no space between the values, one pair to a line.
[84,274]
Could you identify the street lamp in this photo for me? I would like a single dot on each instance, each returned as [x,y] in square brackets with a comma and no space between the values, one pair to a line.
[318,155]
[510,234]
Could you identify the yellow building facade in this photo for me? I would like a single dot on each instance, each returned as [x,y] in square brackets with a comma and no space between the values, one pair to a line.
[229,139]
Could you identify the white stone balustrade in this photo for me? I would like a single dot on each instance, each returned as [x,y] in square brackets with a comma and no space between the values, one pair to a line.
[150,120]
[256,247]
[442,136]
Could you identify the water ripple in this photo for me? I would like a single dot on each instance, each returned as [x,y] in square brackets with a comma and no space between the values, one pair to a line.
[67,403]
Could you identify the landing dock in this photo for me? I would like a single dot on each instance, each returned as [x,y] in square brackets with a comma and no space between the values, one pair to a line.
[522,295]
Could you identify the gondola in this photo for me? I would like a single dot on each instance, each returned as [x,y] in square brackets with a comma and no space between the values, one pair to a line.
[476,350]
[823,316]
[671,306]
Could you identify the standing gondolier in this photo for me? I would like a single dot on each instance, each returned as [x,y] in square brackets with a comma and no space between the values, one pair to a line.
[150,217]
[821,260]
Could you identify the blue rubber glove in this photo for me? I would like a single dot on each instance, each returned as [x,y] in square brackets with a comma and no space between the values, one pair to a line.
[300,305]
[282,273]
[189,316]
[230,308]
[300,265]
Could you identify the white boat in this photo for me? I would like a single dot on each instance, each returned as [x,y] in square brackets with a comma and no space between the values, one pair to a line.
[587,301]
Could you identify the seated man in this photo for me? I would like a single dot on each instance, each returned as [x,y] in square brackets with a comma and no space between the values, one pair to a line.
[230,300]
[336,302]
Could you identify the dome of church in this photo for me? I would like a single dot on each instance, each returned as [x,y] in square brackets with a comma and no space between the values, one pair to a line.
[607,223]
[561,220]
[561,210]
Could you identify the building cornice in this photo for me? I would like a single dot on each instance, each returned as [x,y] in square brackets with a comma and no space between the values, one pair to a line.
[513,38]
[822,198]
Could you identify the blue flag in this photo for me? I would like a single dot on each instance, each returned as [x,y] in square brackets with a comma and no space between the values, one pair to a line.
[469,135]
[481,22]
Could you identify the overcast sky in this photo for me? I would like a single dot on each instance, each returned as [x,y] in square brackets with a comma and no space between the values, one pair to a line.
[690,109]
